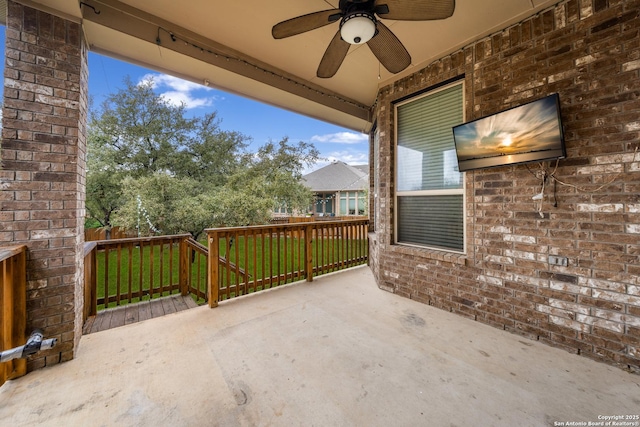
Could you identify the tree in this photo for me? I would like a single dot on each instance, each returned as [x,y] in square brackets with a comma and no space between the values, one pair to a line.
[164,204]
[275,173]
[138,133]
[153,169]
[141,133]
[210,155]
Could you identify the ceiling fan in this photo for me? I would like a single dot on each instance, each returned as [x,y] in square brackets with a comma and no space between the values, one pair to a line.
[359,24]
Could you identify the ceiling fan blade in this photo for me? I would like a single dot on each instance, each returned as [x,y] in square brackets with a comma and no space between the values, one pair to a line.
[333,57]
[304,23]
[415,10]
[389,50]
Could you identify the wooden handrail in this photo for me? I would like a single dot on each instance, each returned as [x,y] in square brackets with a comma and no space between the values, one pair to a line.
[266,256]
[197,245]
[293,225]
[13,307]
[115,242]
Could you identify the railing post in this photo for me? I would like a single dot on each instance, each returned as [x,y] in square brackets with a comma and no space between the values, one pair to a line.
[13,308]
[91,280]
[213,266]
[308,252]
[183,273]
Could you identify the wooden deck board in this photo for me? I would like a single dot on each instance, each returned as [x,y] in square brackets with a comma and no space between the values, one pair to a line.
[157,309]
[132,314]
[180,304]
[144,311]
[190,302]
[103,322]
[137,312]
[168,305]
[117,317]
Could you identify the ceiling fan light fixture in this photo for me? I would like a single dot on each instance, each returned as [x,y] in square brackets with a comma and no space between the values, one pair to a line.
[358,27]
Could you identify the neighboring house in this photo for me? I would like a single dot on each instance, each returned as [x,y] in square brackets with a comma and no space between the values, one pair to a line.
[339,189]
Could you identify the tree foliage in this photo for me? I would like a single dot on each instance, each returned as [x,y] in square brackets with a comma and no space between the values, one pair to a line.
[151,166]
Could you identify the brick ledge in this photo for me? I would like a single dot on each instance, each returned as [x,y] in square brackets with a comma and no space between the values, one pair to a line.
[434,254]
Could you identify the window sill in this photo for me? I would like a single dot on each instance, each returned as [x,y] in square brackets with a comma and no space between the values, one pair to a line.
[434,254]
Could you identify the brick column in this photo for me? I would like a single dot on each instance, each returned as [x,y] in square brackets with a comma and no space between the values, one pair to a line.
[42,176]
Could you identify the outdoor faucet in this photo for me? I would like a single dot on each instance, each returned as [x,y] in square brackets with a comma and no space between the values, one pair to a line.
[34,344]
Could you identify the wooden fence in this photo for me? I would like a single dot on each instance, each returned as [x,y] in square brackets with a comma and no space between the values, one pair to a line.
[261,257]
[93,234]
[13,308]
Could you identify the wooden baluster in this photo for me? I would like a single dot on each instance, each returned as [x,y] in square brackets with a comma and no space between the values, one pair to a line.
[213,286]
[285,237]
[151,289]
[118,272]
[106,277]
[308,252]
[130,272]
[184,266]
[300,266]
[140,271]
[161,275]
[245,261]
[271,257]
[255,259]
[263,238]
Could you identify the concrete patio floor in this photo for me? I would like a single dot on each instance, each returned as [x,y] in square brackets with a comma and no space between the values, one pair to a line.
[335,352]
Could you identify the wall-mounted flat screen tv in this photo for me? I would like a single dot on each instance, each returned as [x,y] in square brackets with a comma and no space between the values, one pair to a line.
[528,133]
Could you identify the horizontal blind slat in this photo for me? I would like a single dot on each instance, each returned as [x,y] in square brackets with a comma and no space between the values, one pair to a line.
[434,221]
[426,161]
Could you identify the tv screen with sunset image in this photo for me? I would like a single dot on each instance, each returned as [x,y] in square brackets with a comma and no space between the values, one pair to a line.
[527,133]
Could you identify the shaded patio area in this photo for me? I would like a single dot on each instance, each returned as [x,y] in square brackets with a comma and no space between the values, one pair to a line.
[337,351]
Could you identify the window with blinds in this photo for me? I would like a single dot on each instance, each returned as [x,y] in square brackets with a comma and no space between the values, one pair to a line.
[429,187]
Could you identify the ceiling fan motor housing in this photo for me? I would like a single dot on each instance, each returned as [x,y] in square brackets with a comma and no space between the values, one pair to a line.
[358,27]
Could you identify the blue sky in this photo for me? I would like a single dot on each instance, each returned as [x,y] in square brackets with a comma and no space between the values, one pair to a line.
[261,122]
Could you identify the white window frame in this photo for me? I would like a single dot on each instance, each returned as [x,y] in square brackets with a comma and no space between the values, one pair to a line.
[347,196]
[456,191]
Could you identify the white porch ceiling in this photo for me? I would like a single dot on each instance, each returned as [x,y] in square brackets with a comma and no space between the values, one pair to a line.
[251,63]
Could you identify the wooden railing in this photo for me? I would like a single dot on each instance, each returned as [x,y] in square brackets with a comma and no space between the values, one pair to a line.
[239,261]
[13,308]
[196,269]
[123,271]
[249,259]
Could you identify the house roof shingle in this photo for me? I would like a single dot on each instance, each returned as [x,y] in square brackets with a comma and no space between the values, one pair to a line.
[338,176]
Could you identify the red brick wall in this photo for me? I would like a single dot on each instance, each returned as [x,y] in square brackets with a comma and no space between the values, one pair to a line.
[588,52]
[43,169]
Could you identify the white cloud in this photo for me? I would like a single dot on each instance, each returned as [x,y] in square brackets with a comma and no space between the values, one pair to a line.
[349,157]
[177,91]
[178,98]
[341,138]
